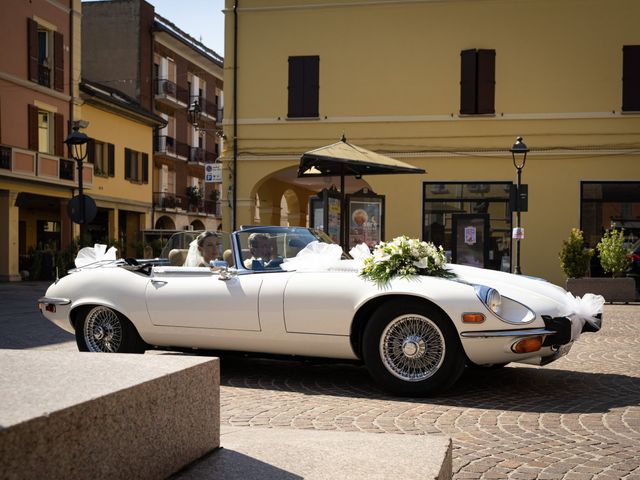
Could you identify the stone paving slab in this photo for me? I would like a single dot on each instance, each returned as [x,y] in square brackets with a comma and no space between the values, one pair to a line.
[279,454]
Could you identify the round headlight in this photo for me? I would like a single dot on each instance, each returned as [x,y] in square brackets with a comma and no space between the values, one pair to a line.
[494,300]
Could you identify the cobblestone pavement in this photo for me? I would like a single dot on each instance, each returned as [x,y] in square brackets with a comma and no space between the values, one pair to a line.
[577,418]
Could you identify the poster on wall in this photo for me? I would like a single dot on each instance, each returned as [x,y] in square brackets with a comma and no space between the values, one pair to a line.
[334,211]
[325,212]
[365,218]
[470,239]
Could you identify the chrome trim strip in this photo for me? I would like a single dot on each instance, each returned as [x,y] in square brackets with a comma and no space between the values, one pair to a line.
[54,301]
[507,333]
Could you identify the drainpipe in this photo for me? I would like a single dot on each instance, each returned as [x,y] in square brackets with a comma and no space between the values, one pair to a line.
[234,182]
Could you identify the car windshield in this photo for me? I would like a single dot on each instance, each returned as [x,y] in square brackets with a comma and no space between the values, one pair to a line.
[214,246]
[265,248]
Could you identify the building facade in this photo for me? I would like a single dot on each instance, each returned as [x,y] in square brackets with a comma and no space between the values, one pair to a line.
[130,48]
[120,151]
[445,86]
[39,74]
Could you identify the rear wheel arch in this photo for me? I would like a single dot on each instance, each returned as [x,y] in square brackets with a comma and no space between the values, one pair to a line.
[364,313]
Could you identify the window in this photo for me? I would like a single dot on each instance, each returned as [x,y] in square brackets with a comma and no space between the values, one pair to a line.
[304,86]
[46,56]
[101,154]
[631,78]
[445,205]
[45,131]
[477,81]
[136,166]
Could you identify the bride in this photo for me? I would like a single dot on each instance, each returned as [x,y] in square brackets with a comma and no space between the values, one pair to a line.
[202,250]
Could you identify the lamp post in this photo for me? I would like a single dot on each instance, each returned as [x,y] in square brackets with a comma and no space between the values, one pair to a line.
[77,145]
[519,155]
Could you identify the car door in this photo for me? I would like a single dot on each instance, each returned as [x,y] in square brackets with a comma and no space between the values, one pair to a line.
[197,298]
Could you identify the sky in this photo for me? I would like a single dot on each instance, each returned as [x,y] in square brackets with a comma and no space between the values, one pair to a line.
[202,19]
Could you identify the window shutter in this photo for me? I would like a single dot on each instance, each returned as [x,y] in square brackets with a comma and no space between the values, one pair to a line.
[91,151]
[111,159]
[32,56]
[296,79]
[145,168]
[58,134]
[468,80]
[127,164]
[486,81]
[311,86]
[631,78]
[58,62]
[33,127]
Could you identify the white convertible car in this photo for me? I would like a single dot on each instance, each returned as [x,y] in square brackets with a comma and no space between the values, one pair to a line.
[415,335]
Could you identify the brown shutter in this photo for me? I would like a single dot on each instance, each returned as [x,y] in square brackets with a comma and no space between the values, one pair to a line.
[111,161]
[58,61]
[631,78]
[311,86]
[296,79]
[33,127]
[468,80]
[145,168]
[32,42]
[58,134]
[127,164]
[91,151]
[486,81]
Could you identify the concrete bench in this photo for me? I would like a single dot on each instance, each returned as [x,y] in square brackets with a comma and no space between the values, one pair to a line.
[83,415]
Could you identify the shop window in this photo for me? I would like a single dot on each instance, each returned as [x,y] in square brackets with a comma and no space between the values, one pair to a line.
[101,154]
[631,78]
[136,166]
[45,56]
[477,81]
[446,206]
[604,205]
[304,86]
[48,235]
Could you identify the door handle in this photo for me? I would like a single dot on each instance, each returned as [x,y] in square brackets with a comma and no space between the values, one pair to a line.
[158,283]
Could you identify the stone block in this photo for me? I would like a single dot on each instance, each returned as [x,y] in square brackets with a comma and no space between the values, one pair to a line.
[621,289]
[85,415]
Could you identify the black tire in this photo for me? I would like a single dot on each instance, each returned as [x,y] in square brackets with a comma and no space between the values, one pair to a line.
[102,329]
[411,349]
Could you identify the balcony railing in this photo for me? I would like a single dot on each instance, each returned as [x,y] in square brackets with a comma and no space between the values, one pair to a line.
[166,87]
[172,201]
[200,155]
[165,145]
[44,75]
[175,95]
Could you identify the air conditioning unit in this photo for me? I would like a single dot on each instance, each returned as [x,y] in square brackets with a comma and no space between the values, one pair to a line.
[188,227]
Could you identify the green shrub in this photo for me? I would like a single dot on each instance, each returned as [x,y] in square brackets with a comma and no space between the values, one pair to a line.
[613,255]
[574,258]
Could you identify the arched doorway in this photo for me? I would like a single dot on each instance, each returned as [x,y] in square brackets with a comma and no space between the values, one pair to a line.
[198,225]
[165,223]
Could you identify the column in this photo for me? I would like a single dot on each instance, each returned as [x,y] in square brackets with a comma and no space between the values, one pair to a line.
[9,218]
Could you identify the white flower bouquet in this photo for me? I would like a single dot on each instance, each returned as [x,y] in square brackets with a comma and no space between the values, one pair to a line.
[404,257]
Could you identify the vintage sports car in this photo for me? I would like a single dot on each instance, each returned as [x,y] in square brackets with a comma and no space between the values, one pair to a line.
[415,335]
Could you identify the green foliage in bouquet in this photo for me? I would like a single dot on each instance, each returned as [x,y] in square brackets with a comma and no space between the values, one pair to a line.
[613,255]
[404,257]
[574,258]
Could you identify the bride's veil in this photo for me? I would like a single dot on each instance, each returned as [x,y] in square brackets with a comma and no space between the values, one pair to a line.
[194,259]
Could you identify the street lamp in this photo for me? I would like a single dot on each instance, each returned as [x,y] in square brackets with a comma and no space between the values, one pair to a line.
[194,113]
[77,145]
[519,155]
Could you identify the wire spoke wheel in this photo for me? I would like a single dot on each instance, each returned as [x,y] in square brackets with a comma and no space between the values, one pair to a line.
[412,347]
[103,330]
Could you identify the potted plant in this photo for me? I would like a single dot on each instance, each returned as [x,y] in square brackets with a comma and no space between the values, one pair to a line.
[574,257]
[194,195]
[614,260]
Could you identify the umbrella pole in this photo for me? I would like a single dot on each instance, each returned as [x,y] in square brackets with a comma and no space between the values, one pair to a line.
[343,215]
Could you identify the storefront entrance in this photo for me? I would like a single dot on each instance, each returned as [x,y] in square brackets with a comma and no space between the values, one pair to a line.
[471,220]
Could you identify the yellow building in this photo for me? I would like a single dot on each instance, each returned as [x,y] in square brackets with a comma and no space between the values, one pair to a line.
[446,86]
[120,152]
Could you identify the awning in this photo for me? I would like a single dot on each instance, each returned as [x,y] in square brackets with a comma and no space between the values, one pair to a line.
[343,158]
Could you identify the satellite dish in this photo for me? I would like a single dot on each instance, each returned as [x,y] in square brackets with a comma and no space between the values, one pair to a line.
[90,209]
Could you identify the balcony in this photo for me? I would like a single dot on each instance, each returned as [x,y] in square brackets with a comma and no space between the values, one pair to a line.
[201,156]
[169,147]
[42,167]
[171,202]
[170,94]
